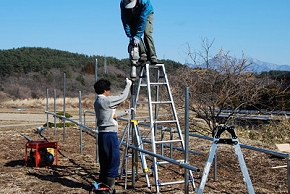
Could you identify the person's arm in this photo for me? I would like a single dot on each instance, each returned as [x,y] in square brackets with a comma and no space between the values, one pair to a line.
[125,20]
[116,100]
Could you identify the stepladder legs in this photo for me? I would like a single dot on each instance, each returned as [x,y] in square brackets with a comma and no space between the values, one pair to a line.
[232,141]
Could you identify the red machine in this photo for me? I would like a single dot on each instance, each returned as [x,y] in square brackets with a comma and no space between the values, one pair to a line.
[39,154]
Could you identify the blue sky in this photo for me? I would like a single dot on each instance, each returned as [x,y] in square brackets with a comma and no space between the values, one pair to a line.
[258,28]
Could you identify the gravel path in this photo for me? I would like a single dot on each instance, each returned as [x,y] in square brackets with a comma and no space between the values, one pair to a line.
[22,117]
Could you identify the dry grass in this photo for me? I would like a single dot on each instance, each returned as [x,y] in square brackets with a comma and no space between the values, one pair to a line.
[87,102]
[41,102]
[76,172]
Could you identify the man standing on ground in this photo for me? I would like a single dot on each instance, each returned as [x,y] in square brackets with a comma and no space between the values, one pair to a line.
[137,18]
[109,153]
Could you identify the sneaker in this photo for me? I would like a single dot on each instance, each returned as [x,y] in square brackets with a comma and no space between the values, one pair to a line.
[154,61]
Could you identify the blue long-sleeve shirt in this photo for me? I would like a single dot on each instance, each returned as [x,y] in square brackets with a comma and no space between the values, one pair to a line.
[136,17]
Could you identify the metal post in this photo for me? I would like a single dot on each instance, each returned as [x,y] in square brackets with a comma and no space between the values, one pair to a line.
[80,121]
[47,126]
[215,168]
[54,109]
[84,117]
[171,146]
[186,117]
[105,65]
[134,152]
[97,148]
[162,132]
[64,87]
[96,69]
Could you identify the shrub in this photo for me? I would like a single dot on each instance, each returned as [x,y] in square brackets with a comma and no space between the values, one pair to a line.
[59,125]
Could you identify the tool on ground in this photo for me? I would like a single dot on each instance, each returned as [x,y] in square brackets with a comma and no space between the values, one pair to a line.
[101,188]
[232,141]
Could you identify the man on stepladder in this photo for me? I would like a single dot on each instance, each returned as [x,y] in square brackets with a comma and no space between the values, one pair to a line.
[109,153]
[137,19]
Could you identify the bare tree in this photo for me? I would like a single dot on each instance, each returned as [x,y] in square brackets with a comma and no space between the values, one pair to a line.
[217,83]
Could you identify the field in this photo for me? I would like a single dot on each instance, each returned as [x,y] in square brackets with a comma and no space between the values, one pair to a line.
[76,171]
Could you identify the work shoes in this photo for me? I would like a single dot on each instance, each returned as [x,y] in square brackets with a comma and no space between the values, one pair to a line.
[142,60]
[154,61]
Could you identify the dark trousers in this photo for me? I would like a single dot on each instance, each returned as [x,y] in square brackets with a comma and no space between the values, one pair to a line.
[109,154]
[147,47]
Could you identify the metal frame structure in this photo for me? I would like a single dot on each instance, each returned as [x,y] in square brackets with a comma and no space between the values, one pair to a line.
[186,166]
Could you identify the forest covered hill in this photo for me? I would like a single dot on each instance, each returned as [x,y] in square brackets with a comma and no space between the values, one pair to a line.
[28,71]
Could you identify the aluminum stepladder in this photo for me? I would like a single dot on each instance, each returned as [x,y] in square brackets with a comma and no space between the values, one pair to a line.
[133,137]
[159,98]
[232,141]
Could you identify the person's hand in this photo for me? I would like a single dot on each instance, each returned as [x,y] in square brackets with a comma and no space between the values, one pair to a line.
[135,41]
[128,82]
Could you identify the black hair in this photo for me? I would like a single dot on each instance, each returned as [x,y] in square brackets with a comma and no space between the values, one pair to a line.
[102,85]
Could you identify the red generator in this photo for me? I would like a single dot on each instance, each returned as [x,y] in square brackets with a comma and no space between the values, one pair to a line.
[42,153]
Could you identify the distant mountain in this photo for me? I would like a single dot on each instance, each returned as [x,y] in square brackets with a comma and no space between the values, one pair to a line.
[256,66]
[259,66]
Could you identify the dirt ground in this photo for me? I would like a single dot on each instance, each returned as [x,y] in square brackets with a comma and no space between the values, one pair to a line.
[76,171]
